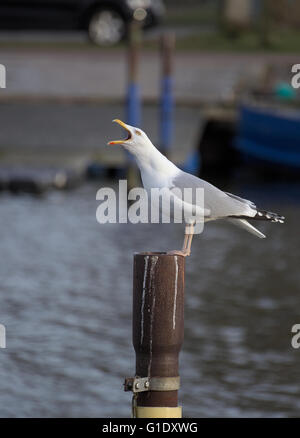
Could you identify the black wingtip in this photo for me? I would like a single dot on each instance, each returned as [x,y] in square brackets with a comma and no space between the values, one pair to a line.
[262,215]
[269,216]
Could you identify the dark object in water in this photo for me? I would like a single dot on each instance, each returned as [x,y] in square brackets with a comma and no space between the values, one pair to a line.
[37,181]
[218,157]
[270,136]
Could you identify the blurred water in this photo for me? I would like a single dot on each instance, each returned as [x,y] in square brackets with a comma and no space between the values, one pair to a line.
[66,303]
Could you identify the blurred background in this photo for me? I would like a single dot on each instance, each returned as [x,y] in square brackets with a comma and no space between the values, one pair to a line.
[211,84]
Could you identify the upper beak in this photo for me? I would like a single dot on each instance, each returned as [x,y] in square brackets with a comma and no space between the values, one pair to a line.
[125,127]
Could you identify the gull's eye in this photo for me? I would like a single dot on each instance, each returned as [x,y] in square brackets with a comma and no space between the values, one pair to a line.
[138,132]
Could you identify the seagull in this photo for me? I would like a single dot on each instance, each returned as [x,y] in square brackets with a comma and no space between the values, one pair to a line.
[159,172]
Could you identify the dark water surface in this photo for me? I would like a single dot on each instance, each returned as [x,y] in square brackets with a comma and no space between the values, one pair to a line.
[65,299]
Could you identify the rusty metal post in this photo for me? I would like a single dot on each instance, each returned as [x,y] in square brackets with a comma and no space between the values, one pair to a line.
[158,323]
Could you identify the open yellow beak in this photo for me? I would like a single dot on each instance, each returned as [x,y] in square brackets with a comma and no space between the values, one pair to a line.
[123,126]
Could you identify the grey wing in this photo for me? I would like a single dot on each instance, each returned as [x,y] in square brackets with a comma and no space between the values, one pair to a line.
[184,181]
[218,203]
[244,201]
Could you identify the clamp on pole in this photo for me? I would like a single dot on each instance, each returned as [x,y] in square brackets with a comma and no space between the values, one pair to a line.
[141,384]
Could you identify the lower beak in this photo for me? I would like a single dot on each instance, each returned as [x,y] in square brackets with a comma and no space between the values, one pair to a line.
[123,126]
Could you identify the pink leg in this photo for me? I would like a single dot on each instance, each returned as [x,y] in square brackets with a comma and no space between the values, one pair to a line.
[187,242]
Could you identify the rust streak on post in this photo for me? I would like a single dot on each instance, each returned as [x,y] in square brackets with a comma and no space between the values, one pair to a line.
[158,321]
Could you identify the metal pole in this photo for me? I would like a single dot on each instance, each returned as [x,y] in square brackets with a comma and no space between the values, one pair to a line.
[158,320]
[166,101]
[133,91]
[133,99]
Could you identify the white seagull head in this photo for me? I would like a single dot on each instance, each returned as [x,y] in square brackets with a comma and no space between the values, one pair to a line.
[136,141]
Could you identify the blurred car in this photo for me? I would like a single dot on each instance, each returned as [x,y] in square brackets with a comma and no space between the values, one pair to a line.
[106,21]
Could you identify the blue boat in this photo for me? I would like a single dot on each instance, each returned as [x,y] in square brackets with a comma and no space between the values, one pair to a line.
[269,135]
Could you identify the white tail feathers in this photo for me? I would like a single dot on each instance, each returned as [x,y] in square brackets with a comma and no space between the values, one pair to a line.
[242,223]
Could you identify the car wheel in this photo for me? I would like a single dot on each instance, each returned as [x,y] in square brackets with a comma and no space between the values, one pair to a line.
[106,27]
